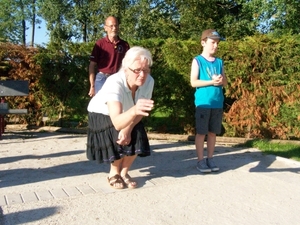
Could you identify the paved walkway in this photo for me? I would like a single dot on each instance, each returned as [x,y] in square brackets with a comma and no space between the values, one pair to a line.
[45,178]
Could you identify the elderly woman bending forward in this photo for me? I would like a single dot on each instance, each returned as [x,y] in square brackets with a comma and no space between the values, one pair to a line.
[116,134]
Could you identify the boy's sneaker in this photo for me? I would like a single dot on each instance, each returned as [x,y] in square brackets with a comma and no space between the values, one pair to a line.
[202,166]
[211,164]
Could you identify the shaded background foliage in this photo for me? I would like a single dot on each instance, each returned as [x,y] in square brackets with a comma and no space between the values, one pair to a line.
[261,56]
[62,84]
[262,98]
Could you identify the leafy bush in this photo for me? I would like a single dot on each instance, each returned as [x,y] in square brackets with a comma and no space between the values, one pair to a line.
[261,100]
[263,75]
[18,64]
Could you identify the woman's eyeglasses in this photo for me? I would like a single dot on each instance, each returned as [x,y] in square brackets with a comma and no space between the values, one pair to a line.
[138,71]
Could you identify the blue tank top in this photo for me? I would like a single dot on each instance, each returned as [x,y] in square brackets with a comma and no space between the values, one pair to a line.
[209,96]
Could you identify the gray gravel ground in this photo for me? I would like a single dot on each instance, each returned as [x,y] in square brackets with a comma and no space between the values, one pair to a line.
[45,178]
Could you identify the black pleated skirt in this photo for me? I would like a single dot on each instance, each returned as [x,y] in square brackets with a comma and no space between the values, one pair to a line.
[102,137]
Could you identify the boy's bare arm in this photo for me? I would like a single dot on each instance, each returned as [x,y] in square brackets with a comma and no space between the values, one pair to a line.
[225,82]
[194,78]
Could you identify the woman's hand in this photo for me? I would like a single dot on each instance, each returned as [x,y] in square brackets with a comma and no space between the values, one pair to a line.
[124,137]
[143,106]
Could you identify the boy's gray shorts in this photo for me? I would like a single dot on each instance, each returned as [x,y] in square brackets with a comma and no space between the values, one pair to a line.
[208,120]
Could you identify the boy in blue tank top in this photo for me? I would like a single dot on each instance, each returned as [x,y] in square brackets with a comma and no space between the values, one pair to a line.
[208,77]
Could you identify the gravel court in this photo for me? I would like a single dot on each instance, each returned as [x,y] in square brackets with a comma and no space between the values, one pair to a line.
[45,178]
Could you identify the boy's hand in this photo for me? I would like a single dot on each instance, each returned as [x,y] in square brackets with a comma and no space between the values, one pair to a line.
[218,80]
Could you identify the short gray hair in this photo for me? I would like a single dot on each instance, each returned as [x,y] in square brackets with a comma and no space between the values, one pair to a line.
[136,53]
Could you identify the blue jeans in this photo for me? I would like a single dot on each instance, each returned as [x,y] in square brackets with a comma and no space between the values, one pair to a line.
[99,81]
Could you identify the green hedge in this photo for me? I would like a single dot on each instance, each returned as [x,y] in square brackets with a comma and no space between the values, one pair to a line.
[263,75]
[262,97]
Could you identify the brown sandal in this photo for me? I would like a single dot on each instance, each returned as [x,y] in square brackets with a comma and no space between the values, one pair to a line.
[116,182]
[129,182]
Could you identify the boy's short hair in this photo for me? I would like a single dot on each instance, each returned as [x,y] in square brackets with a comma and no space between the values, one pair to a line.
[212,34]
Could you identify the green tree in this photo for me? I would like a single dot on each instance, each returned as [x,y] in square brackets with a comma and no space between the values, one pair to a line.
[241,19]
[82,20]
[99,10]
[57,14]
[231,18]
[150,19]
[281,16]
[14,19]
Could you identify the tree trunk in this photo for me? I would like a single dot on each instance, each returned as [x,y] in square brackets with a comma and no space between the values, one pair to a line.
[33,23]
[23,32]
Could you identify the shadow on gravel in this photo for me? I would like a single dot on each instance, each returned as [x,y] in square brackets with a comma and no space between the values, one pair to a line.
[266,161]
[166,162]
[1,216]
[28,157]
[22,176]
[11,135]
[18,137]
[169,159]
[28,216]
